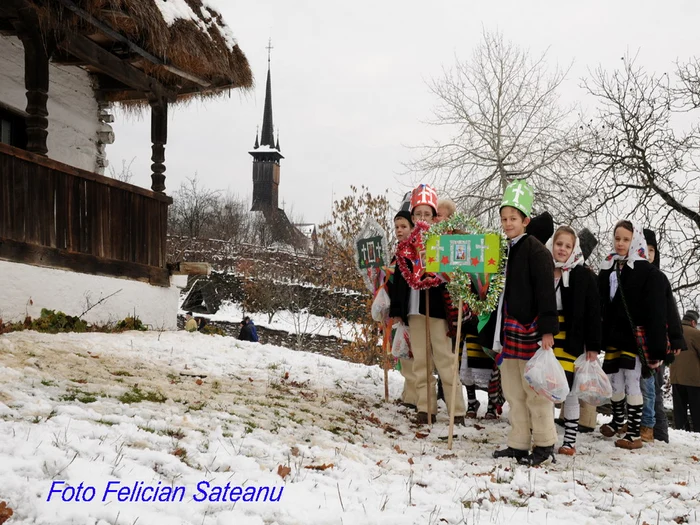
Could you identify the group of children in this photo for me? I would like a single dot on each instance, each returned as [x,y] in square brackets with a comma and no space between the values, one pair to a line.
[551,300]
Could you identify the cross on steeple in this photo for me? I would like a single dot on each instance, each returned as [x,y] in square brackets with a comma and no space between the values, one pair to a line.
[269,48]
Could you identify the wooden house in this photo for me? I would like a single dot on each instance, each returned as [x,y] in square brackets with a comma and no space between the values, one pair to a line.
[69,236]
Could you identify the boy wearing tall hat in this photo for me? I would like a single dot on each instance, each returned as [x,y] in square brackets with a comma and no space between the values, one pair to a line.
[408,306]
[525,319]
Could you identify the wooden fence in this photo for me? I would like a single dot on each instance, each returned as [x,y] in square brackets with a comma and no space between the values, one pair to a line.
[54,215]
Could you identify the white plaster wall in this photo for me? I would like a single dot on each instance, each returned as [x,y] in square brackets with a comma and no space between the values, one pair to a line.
[69,292]
[73,111]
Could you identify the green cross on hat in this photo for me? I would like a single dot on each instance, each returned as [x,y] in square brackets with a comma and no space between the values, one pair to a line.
[519,195]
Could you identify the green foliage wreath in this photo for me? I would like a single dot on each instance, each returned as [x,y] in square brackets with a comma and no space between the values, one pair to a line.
[460,284]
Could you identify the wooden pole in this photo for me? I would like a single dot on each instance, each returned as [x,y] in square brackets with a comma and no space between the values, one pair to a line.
[455,377]
[387,349]
[428,354]
[159,138]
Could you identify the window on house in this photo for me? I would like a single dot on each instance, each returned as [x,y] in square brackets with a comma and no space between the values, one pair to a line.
[13,128]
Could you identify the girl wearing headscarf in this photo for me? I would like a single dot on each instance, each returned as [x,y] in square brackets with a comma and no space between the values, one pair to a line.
[578,305]
[634,327]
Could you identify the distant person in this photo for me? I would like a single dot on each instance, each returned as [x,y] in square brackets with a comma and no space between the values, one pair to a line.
[253,329]
[190,323]
[201,323]
[685,377]
[248,331]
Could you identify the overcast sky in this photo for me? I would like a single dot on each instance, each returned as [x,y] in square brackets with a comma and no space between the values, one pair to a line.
[349,84]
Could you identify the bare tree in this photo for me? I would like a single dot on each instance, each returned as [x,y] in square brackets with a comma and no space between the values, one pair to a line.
[503,119]
[125,174]
[643,164]
[230,220]
[193,208]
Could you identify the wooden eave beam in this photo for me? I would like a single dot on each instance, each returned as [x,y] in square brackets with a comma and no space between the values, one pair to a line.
[85,49]
[107,30]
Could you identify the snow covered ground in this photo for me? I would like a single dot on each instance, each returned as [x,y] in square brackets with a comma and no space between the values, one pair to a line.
[183,413]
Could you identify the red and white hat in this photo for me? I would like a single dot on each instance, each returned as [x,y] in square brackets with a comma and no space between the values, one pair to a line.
[424,194]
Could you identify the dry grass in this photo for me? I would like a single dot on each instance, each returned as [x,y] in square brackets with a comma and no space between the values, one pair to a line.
[184,44]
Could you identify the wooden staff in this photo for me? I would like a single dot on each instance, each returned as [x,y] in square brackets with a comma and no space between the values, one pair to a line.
[428,354]
[387,348]
[455,376]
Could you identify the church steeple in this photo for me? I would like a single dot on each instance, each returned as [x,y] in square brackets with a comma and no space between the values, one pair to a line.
[267,138]
[266,156]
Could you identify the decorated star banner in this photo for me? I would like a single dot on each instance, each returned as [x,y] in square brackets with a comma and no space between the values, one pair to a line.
[475,253]
[471,257]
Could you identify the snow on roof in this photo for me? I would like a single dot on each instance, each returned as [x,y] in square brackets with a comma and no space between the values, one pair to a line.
[173,10]
[264,149]
[306,229]
[218,22]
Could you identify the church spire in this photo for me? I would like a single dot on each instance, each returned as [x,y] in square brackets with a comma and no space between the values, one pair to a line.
[267,137]
[257,144]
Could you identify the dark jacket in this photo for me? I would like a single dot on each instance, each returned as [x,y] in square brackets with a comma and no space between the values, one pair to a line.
[529,289]
[686,368]
[675,328]
[644,288]
[246,333]
[254,331]
[581,303]
[399,293]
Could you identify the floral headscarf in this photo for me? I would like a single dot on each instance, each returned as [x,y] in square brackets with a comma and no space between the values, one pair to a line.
[575,259]
[637,252]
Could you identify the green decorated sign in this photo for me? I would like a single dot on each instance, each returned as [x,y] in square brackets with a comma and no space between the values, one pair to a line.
[473,257]
[474,253]
[370,253]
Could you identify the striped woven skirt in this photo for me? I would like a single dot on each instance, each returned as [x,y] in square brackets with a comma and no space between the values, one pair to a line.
[616,360]
[566,360]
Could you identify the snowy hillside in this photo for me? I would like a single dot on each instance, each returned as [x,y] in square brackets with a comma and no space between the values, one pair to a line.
[188,419]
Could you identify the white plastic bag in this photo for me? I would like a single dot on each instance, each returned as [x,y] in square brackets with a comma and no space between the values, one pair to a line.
[380,306]
[401,345]
[591,384]
[546,376]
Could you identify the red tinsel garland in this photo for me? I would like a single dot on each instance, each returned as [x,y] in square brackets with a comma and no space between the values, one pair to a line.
[417,279]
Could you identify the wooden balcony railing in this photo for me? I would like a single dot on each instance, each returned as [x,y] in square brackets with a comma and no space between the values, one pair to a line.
[55,215]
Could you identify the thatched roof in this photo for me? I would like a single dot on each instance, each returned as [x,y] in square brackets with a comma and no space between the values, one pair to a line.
[184,44]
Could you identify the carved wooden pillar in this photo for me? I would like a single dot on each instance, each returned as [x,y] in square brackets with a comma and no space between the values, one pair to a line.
[37,49]
[159,137]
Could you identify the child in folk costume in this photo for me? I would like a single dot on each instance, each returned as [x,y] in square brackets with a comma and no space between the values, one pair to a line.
[589,413]
[654,420]
[632,293]
[446,208]
[525,319]
[408,307]
[578,304]
[403,225]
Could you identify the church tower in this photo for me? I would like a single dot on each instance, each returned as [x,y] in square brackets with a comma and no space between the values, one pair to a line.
[266,157]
